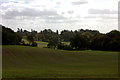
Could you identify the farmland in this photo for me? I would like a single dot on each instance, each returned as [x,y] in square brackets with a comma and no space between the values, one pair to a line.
[38,62]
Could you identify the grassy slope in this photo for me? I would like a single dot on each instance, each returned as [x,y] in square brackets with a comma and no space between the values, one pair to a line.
[41,44]
[67,43]
[44,44]
[28,62]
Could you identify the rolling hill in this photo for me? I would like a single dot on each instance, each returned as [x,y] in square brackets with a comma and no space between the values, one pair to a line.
[36,62]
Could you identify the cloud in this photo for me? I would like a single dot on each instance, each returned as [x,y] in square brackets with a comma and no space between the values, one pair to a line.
[101,17]
[48,16]
[40,14]
[63,21]
[104,11]
[70,12]
[57,17]
[29,12]
[58,3]
[79,2]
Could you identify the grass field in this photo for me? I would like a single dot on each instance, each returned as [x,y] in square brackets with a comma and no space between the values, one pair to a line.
[44,44]
[37,62]
[41,44]
[67,43]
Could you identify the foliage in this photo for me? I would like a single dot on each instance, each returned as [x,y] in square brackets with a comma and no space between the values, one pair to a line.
[79,39]
[79,42]
[53,42]
[64,47]
[66,35]
[23,33]
[98,42]
[34,44]
[114,42]
[109,41]
[30,39]
[47,34]
[9,37]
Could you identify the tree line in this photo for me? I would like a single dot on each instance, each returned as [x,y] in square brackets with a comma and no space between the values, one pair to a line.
[9,37]
[79,39]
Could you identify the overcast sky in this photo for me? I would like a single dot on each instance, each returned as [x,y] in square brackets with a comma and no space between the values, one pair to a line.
[99,15]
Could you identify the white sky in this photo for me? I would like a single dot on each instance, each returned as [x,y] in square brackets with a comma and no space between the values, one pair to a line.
[99,15]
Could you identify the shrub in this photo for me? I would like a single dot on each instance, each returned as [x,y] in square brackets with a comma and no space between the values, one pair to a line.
[67,47]
[27,44]
[34,44]
[64,47]
[60,46]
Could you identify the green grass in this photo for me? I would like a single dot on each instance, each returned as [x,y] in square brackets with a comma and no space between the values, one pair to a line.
[67,43]
[41,44]
[26,42]
[44,44]
[36,62]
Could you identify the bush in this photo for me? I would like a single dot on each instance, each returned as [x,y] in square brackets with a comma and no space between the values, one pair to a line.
[60,46]
[34,44]
[26,44]
[53,42]
[67,47]
[64,47]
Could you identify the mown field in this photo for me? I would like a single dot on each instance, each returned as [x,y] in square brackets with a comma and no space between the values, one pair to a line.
[37,62]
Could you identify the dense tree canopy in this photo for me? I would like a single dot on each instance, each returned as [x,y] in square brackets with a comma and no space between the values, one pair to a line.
[79,42]
[66,35]
[79,39]
[54,41]
[109,41]
[9,37]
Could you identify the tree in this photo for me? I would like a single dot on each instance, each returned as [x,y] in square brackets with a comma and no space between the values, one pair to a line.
[107,42]
[114,42]
[66,35]
[57,32]
[30,39]
[79,42]
[99,42]
[113,33]
[47,33]
[53,42]
[9,37]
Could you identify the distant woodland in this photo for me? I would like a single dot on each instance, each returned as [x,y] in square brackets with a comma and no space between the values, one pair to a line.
[79,39]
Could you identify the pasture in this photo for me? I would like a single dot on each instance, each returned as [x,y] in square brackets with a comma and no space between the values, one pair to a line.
[41,44]
[37,62]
